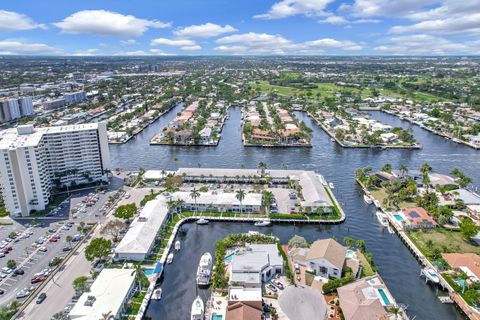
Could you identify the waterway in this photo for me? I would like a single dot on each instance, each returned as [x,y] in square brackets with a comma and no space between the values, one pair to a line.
[396,264]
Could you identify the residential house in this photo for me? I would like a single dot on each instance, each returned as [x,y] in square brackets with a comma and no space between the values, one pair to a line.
[418,218]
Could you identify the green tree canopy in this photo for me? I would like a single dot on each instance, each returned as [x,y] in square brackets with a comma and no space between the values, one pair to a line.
[126,211]
[98,248]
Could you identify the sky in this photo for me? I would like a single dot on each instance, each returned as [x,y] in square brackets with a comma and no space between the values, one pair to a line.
[239,27]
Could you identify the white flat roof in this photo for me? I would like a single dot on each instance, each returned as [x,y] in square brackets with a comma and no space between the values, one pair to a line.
[220,198]
[245,294]
[110,290]
[144,228]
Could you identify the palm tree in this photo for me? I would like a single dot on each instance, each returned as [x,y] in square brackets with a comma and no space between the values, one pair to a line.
[262,166]
[107,316]
[403,170]
[179,204]
[267,199]
[426,180]
[240,195]
[395,310]
[195,194]
[69,240]
[425,168]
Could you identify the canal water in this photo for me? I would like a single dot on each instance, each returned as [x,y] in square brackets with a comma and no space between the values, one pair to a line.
[396,264]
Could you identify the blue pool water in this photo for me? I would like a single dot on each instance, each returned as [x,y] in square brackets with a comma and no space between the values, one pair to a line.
[461,282]
[398,217]
[350,253]
[217,317]
[384,297]
[148,272]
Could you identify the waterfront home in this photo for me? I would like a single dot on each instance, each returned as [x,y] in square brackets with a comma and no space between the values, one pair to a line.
[325,258]
[244,304]
[365,299]
[140,237]
[466,262]
[108,294]
[418,218]
[441,180]
[468,197]
[218,201]
[254,264]
[205,134]
[303,303]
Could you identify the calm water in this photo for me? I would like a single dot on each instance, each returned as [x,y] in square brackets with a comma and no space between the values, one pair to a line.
[397,266]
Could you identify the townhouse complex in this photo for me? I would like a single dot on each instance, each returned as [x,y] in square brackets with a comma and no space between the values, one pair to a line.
[35,161]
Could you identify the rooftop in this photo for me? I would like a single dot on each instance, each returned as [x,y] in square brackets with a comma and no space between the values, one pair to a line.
[303,303]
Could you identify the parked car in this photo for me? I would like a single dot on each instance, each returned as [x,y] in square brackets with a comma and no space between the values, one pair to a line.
[42,296]
[19,272]
[66,248]
[23,293]
[278,284]
[43,249]
[6,270]
[272,288]
[2,291]
[38,279]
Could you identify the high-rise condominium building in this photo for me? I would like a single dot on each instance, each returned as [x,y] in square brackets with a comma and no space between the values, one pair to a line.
[35,161]
[14,108]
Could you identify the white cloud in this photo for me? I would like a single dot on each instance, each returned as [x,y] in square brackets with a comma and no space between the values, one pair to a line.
[456,24]
[206,30]
[107,23]
[395,8]
[13,47]
[262,43]
[191,48]
[172,42]
[87,52]
[334,20]
[422,44]
[129,42]
[329,43]
[158,52]
[287,8]
[10,20]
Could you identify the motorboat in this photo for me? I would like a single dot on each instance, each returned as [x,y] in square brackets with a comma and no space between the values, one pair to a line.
[177,245]
[431,275]
[367,199]
[382,218]
[202,221]
[377,203]
[170,258]
[198,309]
[331,185]
[332,139]
[204,270]
[263,223]
[157,294]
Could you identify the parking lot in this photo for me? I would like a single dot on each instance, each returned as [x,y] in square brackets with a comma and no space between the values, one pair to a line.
[34,258]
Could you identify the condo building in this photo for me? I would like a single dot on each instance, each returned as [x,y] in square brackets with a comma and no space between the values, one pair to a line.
[36,161]
[14,108]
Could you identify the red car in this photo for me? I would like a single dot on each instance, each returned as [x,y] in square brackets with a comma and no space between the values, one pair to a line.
[53,239]
[38,279]
[9,248]
[4,251]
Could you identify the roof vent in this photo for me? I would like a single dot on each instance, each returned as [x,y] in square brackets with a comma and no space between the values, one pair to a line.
[90,300]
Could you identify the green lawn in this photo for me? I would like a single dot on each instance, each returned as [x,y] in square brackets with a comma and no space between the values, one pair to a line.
[380,194]
[366,267]
[445,240]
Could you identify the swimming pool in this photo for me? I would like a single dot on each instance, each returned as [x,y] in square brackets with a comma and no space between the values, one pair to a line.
[350,254]
[398,217]
[217,317]
[148,272]
[382,294]
[229,257]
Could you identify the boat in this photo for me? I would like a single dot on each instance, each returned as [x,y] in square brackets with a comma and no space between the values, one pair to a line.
[377,203]
[382,218]
[331,139]
[198,309]
[204,270]
[390,230]
[202,221]
[157,294]
[177,245]
[331,185]
[367,199]
[263,223]
[431,275]
[170,258]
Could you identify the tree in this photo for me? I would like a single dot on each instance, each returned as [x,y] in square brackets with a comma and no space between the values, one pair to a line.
[126,211]
[194,194]
[240,195]
[425,168]
[69,239]
[98,248]
[262,166]
[403,170]
[387,167]
[107,316]
[80,284]
[468,228]
[464,277]
[395,311]
[297,242]
[113,228]
[267,200]
[12,235]
[11,264]
[56,261]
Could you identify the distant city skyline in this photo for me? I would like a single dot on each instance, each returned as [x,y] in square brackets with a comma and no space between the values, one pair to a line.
[234,27]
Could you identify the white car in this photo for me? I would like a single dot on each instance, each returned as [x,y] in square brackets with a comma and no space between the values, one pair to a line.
[6,270]
[43,249]
[3,275]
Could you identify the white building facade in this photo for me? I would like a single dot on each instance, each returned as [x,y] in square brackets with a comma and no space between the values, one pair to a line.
[35,160]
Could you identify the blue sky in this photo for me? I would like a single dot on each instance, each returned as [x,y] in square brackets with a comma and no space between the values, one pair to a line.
[236,27]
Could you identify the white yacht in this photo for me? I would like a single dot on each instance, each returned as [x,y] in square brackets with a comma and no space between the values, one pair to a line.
[331,185]
[202,221]
[431,275]
[377,203]
[367,199]
[177,245]
[263,223]
[382,218]
[157,294]
[170,258]
[198,310]
[204,270]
